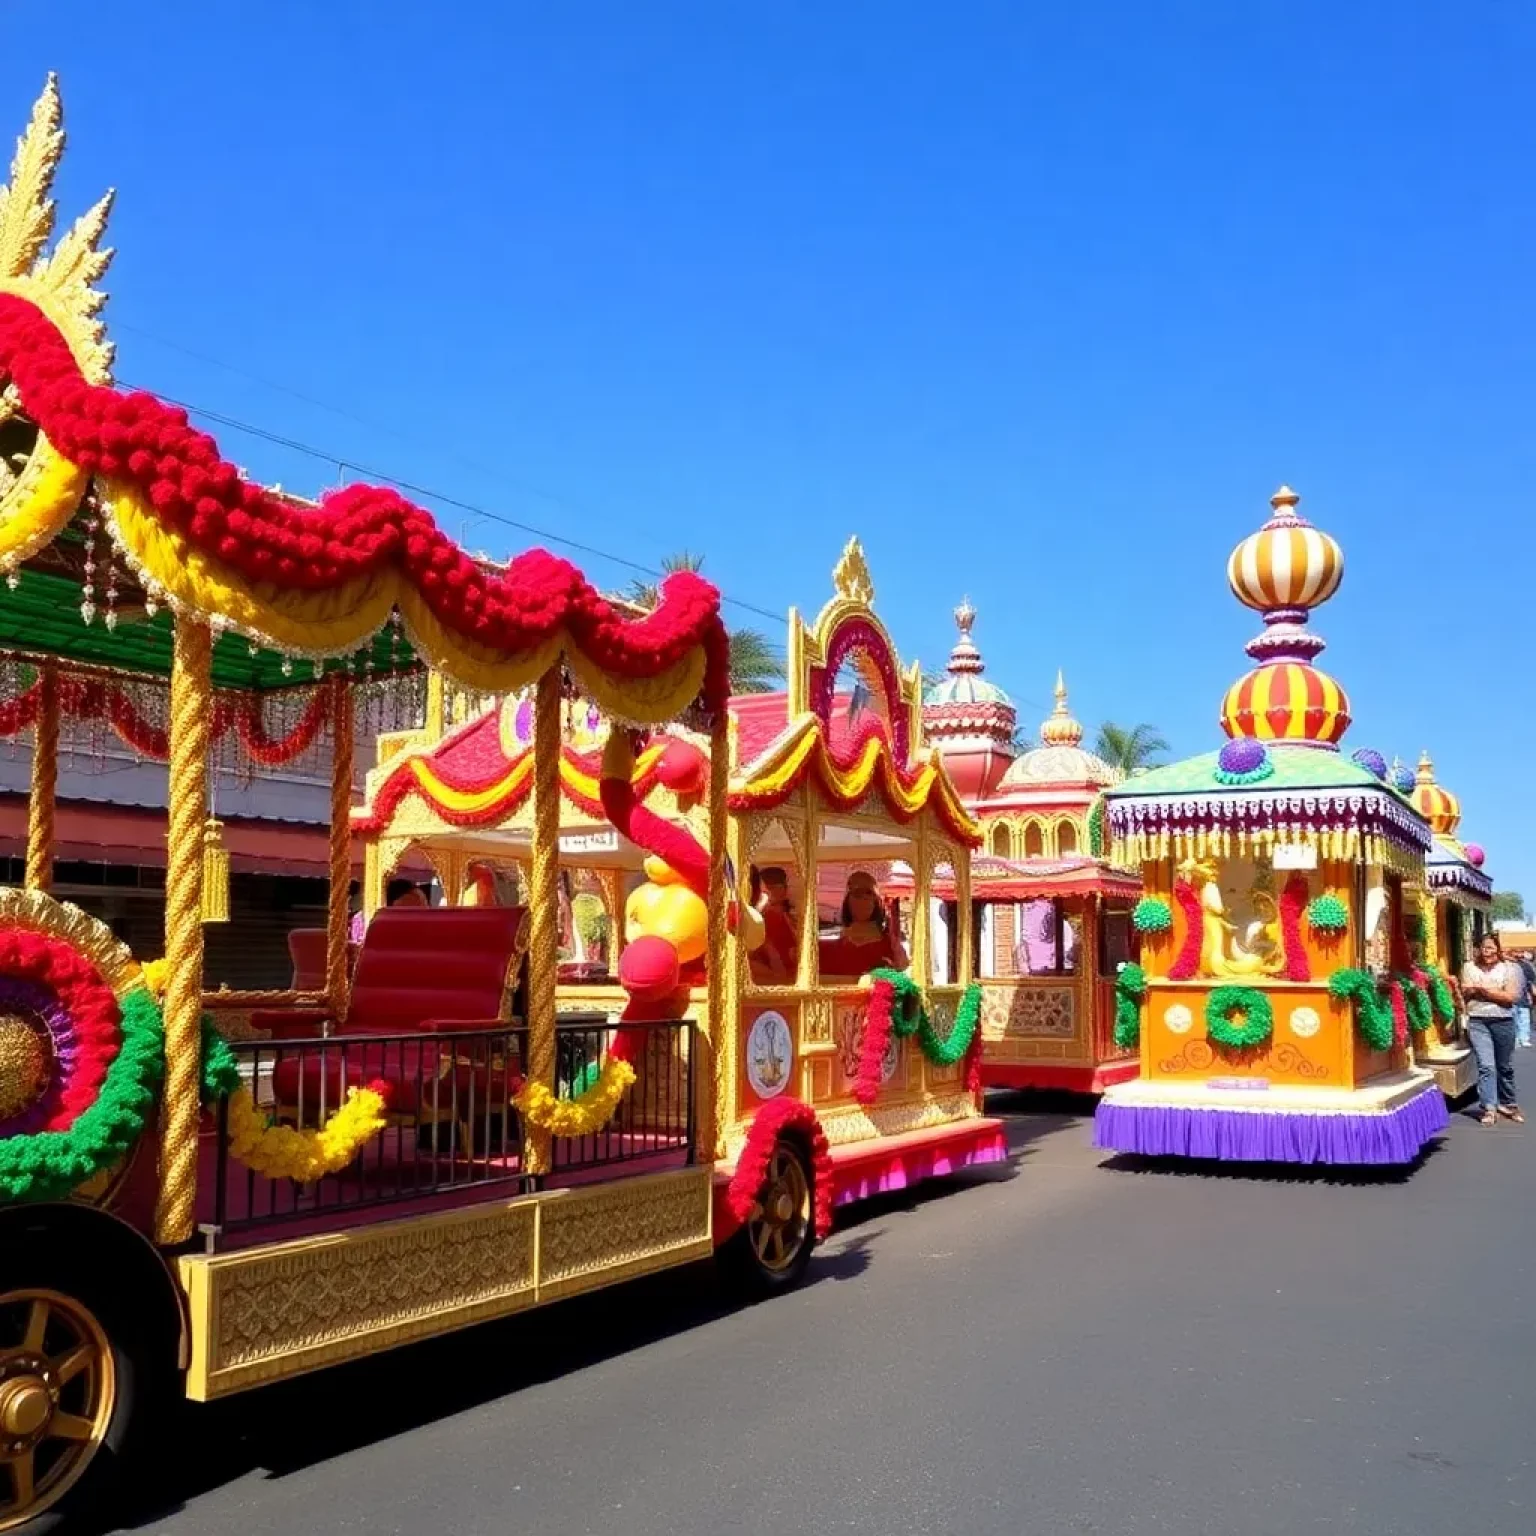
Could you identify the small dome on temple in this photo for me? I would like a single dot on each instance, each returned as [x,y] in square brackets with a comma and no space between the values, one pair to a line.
[1061,757]
[1439,807]
[1287,564]
[963,682]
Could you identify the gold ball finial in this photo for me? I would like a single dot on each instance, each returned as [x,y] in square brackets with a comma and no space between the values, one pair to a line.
[1284,502]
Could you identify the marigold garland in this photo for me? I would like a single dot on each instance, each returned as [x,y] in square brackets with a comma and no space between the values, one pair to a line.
[1130,989]
[582,1115]
[283,1152]
[1152,914]
[896,1004]
[1373,1012]
[779,1117]
[1293,902]
[1326,914]
[1187,962]
[48,1165]
[1258,1016]
[230,549]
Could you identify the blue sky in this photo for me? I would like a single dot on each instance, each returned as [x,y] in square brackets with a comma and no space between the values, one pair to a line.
[1042,301]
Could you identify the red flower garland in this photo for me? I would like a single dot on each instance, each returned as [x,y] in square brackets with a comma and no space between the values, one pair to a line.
[1187,962]
[273,751]
[775,1118]
[1399,1012]
[20,713]
[355,533]
[93,1011]
[1293,903]
[878,1018]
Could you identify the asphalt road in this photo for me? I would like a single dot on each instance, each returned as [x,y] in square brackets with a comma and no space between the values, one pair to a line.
[1056,1347]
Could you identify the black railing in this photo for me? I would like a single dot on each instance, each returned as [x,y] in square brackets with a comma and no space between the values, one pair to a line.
[451,1125]
[654,1117]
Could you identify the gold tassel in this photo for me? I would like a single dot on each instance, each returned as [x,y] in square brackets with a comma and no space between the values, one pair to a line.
[215,873]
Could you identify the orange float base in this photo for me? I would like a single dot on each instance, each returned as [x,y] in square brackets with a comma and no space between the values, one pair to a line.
[1039,1074]
[881,1164]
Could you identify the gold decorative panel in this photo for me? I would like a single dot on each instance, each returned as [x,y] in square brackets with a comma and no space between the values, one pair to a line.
[260,1314]
[1031,1012]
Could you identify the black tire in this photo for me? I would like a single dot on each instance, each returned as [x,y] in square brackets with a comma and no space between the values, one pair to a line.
[773,1249]
[139,1378]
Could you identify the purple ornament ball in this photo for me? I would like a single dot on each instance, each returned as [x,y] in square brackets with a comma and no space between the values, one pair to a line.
[1404,780]
[1475,854]
[1371,760]
[1241,755]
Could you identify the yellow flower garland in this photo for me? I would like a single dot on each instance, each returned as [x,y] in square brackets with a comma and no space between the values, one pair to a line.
[281,1152]
[580,1116]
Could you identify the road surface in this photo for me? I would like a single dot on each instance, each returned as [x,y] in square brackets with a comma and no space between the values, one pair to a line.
[1056,1347]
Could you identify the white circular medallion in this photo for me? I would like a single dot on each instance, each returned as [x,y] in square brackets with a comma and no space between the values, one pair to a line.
[1178,1018]
[1305,1022]
[770,1054]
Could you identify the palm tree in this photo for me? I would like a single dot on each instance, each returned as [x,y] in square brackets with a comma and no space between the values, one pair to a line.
[756,665]
[1129,748]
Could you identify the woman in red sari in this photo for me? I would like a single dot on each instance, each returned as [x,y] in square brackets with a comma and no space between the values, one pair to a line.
[867,939]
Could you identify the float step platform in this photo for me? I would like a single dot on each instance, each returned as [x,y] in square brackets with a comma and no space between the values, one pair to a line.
[878,1165]
[1455,1069]
[1383,1122]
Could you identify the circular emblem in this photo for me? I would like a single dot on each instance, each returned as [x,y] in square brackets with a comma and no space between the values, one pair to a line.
[1178,1018]
[770,1054]
[1305,1022]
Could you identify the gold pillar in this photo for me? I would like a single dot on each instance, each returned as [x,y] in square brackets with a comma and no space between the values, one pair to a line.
[45,781]
[960,862]
[717,1056]
[544,902]
[612,882]
[337,919]
[191,710]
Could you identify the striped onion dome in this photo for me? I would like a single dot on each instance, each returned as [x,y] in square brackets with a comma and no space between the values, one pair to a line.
[1439,807]
[1288,563]
[1286,701]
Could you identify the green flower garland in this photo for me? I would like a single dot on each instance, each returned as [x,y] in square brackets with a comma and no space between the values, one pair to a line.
[1152,915]
[909,1017]
[1096,840]
[48,1165]
[1441,998]
[1415,1002]
[221,1072]
[1130,989]
[1327,914]
[1258,1017]
[1373,1012]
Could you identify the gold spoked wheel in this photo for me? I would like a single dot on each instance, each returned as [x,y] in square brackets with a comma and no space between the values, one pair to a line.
[58,1387]
[780,1225]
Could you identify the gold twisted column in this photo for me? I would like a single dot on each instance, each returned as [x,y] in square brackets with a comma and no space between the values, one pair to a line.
[45,781]
[191,709]
[337,918]
[544,902]
[713,1077]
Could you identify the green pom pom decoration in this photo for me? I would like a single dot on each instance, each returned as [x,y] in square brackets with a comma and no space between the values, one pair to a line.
[1441,998]
[1415,1002]
[1222,1024]
[1152,915]
[1373,1012]
[1130,989]
[221,1072]
[1098,846]
[1327,914]
[910,1017]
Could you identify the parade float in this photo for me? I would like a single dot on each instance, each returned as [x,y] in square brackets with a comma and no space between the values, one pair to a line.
[1454,911]
[1052,918]
[830,783]
[204,1191]
[1277,996]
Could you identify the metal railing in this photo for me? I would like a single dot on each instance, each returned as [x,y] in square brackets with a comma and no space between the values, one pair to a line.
[451,1124]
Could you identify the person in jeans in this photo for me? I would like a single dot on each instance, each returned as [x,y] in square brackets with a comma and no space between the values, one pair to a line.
[1490,984]
[1526,998]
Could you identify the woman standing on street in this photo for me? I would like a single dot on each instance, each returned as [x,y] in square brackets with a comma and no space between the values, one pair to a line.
[1491,984]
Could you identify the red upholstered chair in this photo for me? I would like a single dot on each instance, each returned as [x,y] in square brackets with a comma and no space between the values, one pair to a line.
[422,971]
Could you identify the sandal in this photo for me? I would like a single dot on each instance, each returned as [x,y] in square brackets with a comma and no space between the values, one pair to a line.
[1512,1113]
[1488,1118]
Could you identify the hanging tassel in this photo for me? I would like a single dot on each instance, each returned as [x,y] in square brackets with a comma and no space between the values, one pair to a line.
[215,873]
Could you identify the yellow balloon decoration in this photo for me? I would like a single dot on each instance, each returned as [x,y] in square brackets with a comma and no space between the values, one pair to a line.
[281,1152]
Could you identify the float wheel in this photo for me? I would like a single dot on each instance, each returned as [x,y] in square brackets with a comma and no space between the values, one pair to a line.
[69,1385]
[774,1246]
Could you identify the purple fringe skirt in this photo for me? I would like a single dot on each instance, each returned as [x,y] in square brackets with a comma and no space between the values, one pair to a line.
[1272,1136]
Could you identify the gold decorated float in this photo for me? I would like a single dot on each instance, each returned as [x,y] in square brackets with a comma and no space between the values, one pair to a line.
[1277,997]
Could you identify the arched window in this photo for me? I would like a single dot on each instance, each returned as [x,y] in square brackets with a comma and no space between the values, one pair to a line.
[1066,836]
[1034,841]
[1002,841]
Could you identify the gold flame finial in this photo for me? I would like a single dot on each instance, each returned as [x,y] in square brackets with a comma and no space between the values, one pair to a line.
[850,576]
[62,285]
